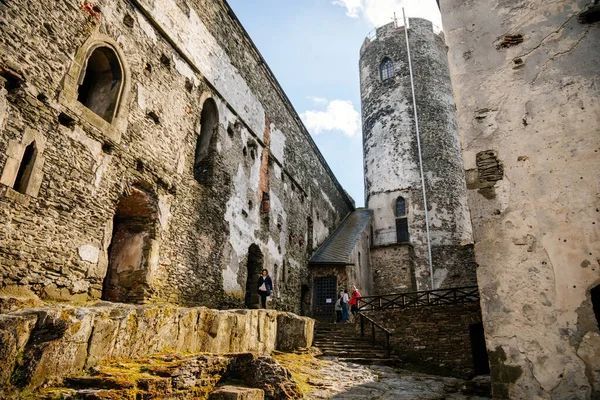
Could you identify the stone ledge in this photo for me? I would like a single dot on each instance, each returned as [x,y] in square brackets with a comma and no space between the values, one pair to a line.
[39,345]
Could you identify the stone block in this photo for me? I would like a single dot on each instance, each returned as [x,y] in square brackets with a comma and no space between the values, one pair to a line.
[236,393]
[294,332]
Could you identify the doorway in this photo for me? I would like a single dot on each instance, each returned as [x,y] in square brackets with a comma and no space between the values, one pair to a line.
[254,269]
[480,357]
[325,295]
[134,227]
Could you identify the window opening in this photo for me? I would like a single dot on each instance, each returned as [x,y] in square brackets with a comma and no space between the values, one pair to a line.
[102,83]
[209,121]
[25,168]
[402,235]
[387,69]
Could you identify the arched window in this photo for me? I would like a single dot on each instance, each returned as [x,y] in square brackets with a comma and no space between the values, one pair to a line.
[386,68]
[401,221]
[209,122]
[101,86]
[25,168]
[400,207]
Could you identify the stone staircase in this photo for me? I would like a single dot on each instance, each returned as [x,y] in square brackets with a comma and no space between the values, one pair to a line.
[344,342]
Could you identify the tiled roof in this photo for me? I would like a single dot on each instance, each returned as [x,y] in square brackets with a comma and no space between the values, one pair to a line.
[337,247]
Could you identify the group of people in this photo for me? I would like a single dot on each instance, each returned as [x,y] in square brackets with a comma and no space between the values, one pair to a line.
[342,303]
[265,287]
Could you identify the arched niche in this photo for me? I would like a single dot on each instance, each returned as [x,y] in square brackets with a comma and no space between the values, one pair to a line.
[97,86]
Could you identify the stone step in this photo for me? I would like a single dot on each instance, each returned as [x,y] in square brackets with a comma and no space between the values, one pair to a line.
[345,354]
[236,393]
[353,351]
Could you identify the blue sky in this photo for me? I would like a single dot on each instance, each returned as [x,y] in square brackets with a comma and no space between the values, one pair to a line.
[312,48]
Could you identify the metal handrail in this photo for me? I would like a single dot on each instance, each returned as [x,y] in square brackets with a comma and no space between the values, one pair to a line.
[374,325]
[458,295]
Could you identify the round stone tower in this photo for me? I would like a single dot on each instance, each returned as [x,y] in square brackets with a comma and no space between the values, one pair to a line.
[393,186]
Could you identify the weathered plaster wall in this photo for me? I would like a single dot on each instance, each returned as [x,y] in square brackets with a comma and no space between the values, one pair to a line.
[175,55]
[390,147]
[360,273]
[526,84]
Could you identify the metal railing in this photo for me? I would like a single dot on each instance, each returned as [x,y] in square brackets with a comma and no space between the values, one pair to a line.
[374,325]
[458,295]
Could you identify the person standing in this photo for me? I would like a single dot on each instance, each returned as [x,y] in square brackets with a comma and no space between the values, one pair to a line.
[265,287]
[345,305]
[338,309]
[355,296]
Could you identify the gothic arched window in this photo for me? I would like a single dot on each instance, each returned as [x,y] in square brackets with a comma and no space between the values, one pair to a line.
[101,86]
[401,221]
[386,68]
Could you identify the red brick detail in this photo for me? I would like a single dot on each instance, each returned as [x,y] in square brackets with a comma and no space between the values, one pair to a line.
[91,9]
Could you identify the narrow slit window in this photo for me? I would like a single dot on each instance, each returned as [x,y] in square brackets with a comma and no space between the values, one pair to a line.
[101,86]
[25,168]
[387,69]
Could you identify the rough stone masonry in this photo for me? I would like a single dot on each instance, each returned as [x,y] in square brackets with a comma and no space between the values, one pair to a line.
[145,147]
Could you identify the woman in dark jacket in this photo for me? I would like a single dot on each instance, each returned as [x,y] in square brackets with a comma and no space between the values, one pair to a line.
[265,287]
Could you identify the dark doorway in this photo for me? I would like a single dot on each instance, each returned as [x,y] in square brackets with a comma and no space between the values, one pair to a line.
[305,300]
[480,356]
[101,86]
[255,267]
[325,295]
[595,294]
[25,168]
[134,227]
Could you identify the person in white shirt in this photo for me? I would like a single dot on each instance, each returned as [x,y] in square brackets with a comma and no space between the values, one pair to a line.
[345,306]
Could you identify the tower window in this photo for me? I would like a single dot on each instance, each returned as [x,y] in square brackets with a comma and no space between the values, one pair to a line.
[402,235]
[101,86]
[386,68]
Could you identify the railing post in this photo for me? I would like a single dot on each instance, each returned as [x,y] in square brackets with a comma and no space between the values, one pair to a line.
[373,331]
[388,345]
[380,302]
[362,326]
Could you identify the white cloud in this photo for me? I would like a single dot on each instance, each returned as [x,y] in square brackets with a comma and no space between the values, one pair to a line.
[340,115]
[381,12]
[352,6]
[317,100]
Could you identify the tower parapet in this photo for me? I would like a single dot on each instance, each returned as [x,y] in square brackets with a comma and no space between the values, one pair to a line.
[393,188]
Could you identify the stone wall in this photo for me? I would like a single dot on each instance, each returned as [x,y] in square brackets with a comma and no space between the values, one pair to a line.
[393,269]
[526,84]
[132,177]
[45,344]
[433,338]
[391,154]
